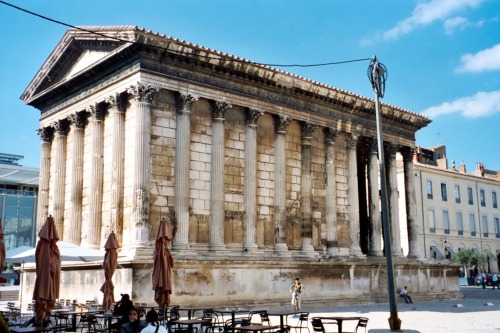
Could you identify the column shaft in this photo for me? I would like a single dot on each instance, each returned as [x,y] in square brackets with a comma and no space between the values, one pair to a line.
[394,199]
[331,194]
[73,231]
[59,174]
[374,201]
[250,176]
[46,134]
[217,177]
[182,150]
[306,188]
[411,204]
[352,168]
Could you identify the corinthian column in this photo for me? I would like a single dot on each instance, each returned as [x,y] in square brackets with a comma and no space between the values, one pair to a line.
[142,97]
[331,194]
[374,200]
[46,135]
[217,176]
[73,229]
[352,177]
[306,188]
[250,194]
[92,236]
[117,109]
[392,180]
[280,125]
[61,133]
[181,198]
[411,203]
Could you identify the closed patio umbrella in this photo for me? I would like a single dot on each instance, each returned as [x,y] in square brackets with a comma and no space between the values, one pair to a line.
[110,263]
[48,270]
[163,263]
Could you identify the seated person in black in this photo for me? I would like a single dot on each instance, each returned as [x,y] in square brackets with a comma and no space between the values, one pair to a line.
[122,308]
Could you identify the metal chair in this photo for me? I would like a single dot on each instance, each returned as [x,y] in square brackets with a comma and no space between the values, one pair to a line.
[362,323]
[263,317]
[317,325]
[303,322]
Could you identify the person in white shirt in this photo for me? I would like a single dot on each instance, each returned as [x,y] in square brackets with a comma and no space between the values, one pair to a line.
[405,295]
[153,325]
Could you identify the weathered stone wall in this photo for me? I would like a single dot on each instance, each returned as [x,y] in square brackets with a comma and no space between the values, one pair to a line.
[221,283]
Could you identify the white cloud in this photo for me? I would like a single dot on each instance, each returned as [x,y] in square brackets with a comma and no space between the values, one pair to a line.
[428,12]
[479,105]
[482,61]
[454,24]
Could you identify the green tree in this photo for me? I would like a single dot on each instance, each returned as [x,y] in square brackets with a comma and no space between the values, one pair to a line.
[468,257]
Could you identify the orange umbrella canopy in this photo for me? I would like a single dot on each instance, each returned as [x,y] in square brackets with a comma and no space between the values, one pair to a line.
[163,263]
[48,270]
[2,248]
[110,263]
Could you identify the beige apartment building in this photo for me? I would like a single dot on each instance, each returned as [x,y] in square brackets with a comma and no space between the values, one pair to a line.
[456,209]
[261,174]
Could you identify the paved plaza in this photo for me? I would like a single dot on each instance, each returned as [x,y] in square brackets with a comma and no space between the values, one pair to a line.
[463,315]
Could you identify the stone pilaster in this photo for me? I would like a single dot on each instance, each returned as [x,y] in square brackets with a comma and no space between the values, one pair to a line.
[182,150]
[73,229]
[142,97]
[116,107]
[411,204]
[390,152]
[281,123]
[60,138]
[46,135]
[217,176]
[374,200]
[250,176]
[92,237]
[352,177]
[306,188]
[331,194]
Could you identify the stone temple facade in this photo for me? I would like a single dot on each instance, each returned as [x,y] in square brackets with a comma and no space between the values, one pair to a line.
[262,175]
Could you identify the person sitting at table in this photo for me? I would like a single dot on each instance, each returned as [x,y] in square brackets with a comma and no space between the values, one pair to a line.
[153,325]
[122,308]
[405,295]
[134,325]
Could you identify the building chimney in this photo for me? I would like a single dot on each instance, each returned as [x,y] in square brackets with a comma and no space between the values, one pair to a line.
[462,168]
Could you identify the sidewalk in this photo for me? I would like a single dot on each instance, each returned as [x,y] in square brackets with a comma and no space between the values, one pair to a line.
[471,315]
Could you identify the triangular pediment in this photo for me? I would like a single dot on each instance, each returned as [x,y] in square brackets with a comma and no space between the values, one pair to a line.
[77,52]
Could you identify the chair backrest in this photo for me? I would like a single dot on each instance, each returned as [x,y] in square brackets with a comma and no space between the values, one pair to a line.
[363,322]
[317,325]
[303,318]
[260,314]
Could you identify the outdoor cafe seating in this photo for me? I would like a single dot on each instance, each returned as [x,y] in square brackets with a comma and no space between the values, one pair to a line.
[326,324]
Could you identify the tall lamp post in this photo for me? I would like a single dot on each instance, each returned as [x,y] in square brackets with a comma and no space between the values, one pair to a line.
[377,74]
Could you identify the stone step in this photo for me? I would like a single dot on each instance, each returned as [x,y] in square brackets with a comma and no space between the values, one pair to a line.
[473,292]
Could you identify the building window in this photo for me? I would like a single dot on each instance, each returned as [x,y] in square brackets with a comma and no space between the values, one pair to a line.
[496,222]
[446,222]
[460,224]
[472,224]
[494,199]
[429,189]
[470,198]
[484,221]
[482,198]
[457,193]
[444,195]
[432,222]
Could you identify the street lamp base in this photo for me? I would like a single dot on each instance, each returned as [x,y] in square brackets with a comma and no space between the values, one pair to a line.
[395,324]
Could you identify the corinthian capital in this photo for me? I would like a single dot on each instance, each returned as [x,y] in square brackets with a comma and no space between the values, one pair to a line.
[252,116]
[61,127]
[142,92]
[307,129]
[78,119]
[97,111]
[117,102]
[46,134]
[407,153]
[330,135]
[352,141]
[391,149]
[219,109]
[372,145]
[281,123]
[185,102]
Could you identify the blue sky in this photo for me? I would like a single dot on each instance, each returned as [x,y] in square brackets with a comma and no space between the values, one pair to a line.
[442,56]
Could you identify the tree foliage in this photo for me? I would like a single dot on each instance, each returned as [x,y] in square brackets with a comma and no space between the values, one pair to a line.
[468,257]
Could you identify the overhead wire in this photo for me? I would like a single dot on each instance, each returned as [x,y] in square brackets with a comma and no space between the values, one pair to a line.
[172,51]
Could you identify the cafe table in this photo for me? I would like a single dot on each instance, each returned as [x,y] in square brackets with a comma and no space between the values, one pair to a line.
[257,328]
[190,311]
[283,316]
[108,318]
[190,323]
[340,320]
[233,313]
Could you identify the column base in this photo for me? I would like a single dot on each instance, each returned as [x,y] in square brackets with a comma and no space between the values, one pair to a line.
[281,249]
[308,250]
[250,248]
[217,248]
[333,252]
[180,247]
[356,252]
[140,251]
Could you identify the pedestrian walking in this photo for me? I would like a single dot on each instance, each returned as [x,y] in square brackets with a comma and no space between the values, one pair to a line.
[494,281]
[296,290]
